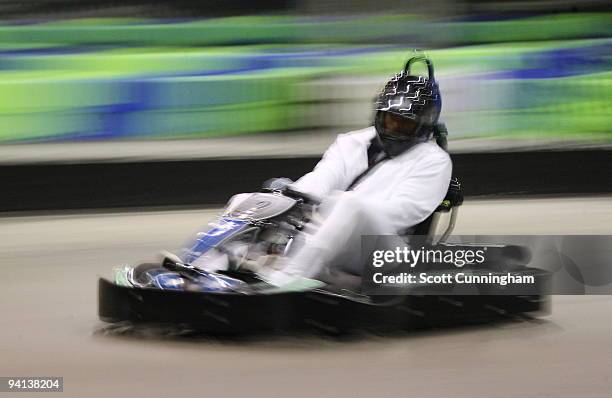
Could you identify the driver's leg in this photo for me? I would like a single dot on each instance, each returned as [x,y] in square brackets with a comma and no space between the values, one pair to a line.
[338,240]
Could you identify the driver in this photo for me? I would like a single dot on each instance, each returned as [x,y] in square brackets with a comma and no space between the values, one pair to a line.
[382,180]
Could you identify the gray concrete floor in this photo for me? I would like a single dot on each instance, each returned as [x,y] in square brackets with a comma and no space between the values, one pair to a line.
[49,327]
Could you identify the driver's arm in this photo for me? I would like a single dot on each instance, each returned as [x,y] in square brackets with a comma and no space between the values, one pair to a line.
[328,175]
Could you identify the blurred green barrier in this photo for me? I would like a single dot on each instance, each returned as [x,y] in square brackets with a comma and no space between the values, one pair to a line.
[572,108]
[546,76]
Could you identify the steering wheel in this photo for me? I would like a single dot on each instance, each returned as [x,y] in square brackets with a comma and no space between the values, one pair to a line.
[307,198]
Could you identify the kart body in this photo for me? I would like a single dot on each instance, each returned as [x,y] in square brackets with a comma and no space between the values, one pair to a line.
[213,287]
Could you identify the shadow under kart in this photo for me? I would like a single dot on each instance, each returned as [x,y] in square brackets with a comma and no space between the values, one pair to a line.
[179,292]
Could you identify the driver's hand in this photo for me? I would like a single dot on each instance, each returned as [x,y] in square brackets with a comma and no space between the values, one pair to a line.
[277,184]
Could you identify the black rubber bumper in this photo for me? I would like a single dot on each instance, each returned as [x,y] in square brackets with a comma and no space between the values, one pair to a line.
[286,312]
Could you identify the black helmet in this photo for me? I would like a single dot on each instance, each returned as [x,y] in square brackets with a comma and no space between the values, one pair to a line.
[407,109]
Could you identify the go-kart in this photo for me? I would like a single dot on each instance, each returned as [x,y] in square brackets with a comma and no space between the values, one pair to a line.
[213,285]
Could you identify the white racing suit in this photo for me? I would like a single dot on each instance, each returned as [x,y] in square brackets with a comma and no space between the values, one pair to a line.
[394,195]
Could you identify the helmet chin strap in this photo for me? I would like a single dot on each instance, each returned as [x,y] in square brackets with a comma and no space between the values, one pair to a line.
[395,148]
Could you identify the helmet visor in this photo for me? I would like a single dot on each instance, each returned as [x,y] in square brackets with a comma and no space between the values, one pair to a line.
[397,127]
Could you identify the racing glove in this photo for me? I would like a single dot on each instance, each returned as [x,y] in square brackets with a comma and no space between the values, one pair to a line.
[277,184]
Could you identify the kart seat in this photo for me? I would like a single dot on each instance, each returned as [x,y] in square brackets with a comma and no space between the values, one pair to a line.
[451,203]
